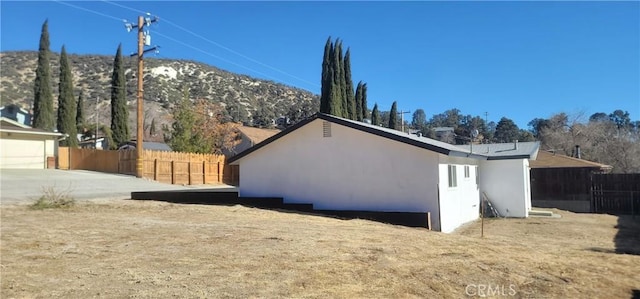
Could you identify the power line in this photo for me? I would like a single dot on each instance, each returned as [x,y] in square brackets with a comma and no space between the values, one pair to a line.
[88,10]
[178,41]
[216,56]
[219,45]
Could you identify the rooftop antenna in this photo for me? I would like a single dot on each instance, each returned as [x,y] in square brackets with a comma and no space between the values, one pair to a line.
[474,135]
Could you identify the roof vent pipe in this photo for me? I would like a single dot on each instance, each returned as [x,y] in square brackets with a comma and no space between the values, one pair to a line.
[515,144]
[578,153]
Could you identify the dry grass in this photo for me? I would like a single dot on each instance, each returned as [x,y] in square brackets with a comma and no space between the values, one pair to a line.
[150,249]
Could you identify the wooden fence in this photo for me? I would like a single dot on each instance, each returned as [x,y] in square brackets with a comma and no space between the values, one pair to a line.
[167,167]
[616,193]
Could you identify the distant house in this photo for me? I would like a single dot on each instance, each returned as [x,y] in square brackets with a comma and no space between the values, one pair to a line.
[563,182]
[24,147]
[344,165]
[99,143]
[147,145]
[249,136]
[445,134]
[16,113]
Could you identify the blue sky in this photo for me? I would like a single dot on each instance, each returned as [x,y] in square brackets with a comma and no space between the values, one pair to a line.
[521,60]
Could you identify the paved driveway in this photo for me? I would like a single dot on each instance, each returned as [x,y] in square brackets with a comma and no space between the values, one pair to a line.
[26,185]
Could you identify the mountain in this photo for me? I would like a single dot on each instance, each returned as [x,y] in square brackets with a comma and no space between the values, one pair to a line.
[163,84]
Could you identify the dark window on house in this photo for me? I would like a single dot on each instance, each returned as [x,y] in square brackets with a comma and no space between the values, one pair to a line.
[326,129]
[477,176]
[453,177]
[466,172]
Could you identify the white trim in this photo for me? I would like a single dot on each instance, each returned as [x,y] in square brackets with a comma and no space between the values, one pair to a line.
[15,123]
[32,132]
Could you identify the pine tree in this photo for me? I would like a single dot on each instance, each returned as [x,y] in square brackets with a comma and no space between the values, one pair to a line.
[66,103]
[80,121]
[327,78]
[119,111]
[365,113]
[350,99]
[43,117]
[358,100]
[375,115]
[181,136]
[393,116]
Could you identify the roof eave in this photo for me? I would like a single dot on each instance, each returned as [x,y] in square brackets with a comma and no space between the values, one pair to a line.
[54,134]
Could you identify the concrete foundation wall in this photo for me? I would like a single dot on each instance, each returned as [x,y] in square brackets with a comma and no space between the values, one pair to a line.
[578,206]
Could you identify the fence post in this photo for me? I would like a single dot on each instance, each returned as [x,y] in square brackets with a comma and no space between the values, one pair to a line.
[633,208]
[219,174]
[173,172]
[204,172]
[155,169]
[189,171]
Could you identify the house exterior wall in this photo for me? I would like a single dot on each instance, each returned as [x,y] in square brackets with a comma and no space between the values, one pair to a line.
[354,170]
[507,184]
[459,204]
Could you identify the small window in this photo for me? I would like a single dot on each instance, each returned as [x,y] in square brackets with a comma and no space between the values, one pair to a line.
[453,178]
[477,177]
[466,172]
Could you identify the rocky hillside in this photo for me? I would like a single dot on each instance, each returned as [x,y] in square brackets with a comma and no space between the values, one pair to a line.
[164,80]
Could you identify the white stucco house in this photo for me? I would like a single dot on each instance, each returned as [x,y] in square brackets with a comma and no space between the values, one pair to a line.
[504,177]
[339,164]
[24,147]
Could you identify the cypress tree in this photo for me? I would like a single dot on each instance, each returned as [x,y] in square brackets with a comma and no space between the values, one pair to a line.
[336,87]
[375,115]
[350,99]
[325,90]
[80,122]
[393,116]
[119,111]
[43,117]
[365,113]
[66,102]
[152,129]
[358,100]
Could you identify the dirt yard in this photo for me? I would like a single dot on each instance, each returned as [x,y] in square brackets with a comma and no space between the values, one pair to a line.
[159,250]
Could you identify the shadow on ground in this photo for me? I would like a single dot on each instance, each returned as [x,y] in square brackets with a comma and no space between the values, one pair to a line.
[227,197]
[627,239]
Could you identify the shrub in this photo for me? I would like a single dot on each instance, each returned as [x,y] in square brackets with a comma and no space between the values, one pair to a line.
[53,198]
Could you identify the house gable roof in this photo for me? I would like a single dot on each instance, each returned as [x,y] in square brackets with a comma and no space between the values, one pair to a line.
[422,142]
[553,160]
[11,126]
[257,135]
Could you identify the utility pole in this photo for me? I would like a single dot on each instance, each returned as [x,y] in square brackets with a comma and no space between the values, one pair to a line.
[97,119]
[402,119]
[144,38]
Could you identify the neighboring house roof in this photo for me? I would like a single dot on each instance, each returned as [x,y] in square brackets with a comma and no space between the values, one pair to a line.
[14,106]
[148,145]
[501,151]
[422,142]
[256,135]
[10,126]
[443,129]
[553,160]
